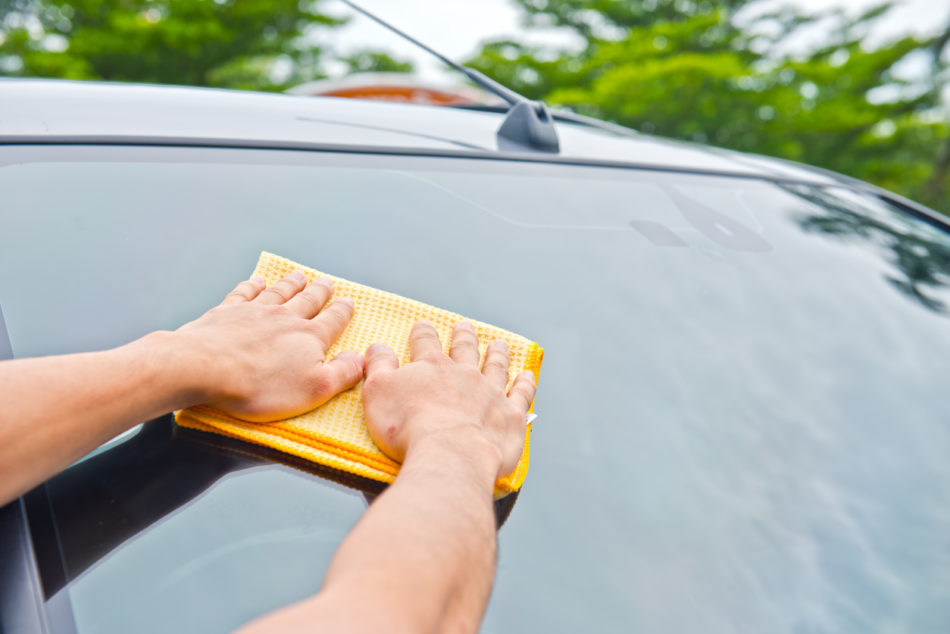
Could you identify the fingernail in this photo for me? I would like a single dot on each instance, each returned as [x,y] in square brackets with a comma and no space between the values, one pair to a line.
[351,353]
[298,275]
[346,300]
[258,280]
[466,325]
[326,281]
[376,348]
[499,344]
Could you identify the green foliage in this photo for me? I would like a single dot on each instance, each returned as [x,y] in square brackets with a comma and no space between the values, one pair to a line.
[260,44]
[249,44]
[591,18]
[375,62]
[714,72]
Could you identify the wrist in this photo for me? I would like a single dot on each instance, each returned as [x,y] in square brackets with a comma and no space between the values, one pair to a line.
[463,445]
[178,369]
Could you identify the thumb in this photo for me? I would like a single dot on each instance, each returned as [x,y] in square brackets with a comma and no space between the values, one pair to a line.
[380,358]
[343,372]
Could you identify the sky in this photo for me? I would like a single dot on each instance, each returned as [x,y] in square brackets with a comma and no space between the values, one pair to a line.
[456,27]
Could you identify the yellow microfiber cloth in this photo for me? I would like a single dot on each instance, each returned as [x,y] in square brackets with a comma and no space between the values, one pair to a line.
[335,433]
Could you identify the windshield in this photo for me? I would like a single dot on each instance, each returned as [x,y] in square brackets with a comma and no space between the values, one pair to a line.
[743,422]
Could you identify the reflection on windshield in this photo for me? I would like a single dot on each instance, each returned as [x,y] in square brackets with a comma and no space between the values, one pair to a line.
[109,498]
[922,263]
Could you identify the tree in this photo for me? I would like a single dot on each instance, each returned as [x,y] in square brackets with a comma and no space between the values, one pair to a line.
[261,44]
[374,62]
[722,73]
[920,266]
[938,185]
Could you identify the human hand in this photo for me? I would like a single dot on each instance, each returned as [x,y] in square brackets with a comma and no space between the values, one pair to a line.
[446,399]
[260,354]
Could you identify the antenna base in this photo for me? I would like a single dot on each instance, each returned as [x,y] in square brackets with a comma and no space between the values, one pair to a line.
[528,125]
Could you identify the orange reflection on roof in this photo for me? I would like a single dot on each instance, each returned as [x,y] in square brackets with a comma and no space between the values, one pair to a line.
[405,94]
[395,87]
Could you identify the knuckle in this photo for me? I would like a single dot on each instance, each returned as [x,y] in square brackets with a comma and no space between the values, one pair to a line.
[351,366]
[376,352]
[524,383]
[310,300]
[241,290]
[427,334]
[496,362]
[466,334]
[459,346]
[322,383]
[321,332]
[424,330]
[289,286]
[370,384]
[497,358]
[336,318]
[342,310]
[279,291]
[317,290]
[275,311]
[373,385]
[471,373]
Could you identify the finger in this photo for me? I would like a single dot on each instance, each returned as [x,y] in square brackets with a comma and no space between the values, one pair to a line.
[332,320]
[308,302]
[284,289]
[464,344]
[380,358]
[342,373]
[522,391]
[424,342]
[245,291]
[496,363]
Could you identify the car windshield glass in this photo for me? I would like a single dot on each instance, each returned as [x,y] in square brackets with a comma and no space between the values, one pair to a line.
[743,421]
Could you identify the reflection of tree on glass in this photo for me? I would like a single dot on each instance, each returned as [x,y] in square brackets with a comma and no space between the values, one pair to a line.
[918,252]
[111,497]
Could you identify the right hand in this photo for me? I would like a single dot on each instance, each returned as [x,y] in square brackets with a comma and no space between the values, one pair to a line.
[446,400]
[261,354]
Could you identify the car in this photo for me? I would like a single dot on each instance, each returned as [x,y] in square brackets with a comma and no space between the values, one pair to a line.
[742,414]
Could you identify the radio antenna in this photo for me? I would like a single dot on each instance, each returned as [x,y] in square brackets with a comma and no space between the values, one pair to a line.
[528,123]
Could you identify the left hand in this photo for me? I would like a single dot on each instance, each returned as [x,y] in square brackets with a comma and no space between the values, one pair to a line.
[261,354]
[446,401]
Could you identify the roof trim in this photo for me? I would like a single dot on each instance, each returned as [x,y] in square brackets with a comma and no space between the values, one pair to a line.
[256,144]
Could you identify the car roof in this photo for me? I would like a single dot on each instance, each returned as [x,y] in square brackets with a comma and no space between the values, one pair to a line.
[38,110]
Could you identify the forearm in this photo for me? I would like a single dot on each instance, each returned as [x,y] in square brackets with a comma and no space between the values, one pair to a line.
[422,558]
[57,409]
[260,354]
[427,547]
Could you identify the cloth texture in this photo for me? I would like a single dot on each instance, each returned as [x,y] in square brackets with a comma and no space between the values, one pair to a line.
[335,434]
